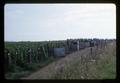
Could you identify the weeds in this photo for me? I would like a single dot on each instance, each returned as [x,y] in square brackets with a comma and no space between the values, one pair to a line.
[80,65]
[102,66]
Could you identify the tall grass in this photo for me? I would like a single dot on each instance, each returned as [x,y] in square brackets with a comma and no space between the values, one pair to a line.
[80,65]
[83,67]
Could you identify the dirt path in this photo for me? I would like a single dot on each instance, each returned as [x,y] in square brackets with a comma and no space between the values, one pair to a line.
[48,71]
[53,68]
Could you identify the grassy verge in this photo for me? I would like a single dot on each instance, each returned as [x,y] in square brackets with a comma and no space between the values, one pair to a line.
[104,67]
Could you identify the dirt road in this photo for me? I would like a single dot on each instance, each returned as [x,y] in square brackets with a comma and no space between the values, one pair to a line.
[51,69]
[57,67]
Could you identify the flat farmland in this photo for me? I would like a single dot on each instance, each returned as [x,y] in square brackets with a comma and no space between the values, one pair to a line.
[81,65]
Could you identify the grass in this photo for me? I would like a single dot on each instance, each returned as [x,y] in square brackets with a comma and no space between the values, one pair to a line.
[82,68]
[77,65]
[17,75]
[107,67]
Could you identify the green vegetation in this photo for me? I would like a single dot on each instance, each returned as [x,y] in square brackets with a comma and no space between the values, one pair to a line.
[103,67]
[28,69]
[20,61]
[21,58]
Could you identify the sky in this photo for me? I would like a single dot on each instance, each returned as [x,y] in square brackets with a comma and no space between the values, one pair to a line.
[44,22]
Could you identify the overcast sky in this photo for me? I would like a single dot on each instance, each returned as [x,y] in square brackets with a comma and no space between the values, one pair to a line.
[40,22]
